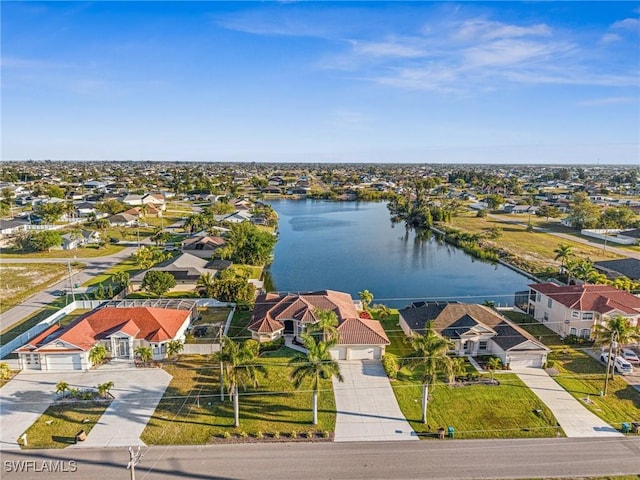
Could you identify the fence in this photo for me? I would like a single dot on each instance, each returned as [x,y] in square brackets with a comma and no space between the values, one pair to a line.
[46,323]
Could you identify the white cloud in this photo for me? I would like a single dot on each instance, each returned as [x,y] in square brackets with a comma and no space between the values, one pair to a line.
[627,23]
[488,30]
[386,49]
[610,38]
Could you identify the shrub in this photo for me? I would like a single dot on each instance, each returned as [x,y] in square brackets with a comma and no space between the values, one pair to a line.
[272,346]
[259,434]
[309,434]
[243,434]
[293,434]
[276,434]
[226,435]
[390,365]
[326,434]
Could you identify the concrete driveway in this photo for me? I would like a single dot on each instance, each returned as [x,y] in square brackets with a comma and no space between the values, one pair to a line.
[366,406]
[572,415]
[137,392]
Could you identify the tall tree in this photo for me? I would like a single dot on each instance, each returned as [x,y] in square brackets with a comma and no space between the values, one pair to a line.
[366,297]
[563,253]
[174,347]
[430,356]
[314,366]
[327,324]
[158,282]
[613,333]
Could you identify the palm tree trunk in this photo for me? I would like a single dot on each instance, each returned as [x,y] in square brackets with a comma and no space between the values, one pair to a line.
[315,407]
[425,396]
[236,407]
[221,382]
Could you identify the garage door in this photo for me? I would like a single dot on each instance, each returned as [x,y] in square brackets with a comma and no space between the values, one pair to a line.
[526,361]
[64,362]
[339,353]
[360,353]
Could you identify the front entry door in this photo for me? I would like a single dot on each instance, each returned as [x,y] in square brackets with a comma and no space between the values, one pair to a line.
[123,348]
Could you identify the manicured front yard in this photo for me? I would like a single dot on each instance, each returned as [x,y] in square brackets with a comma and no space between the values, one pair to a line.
[583,376]
[508,410]
[58,425]
[274,407]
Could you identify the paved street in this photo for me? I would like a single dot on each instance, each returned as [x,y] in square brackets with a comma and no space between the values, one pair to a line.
[137,391]
[366,407]
[94,266]
[432,459]
[573,417]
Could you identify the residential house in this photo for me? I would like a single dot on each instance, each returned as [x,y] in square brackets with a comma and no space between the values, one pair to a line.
[624,267]
[71,241]
[12,227]
[202,246]
[575,309]
[238,217]
[185,268]
[84,209]
[120,329]
[475,330]
[289,315]
[122,220]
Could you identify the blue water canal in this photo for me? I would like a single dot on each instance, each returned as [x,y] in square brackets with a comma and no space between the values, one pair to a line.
[352,246]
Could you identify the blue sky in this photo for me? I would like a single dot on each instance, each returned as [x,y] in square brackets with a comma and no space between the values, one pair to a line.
[469,82]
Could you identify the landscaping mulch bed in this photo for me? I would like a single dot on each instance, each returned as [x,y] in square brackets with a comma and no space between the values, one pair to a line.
[270,438]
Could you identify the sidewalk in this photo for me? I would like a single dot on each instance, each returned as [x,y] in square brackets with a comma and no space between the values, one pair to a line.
[573,417]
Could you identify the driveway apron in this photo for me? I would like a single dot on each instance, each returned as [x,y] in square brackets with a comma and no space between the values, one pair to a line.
[136,392]
[573,417]
[366,406]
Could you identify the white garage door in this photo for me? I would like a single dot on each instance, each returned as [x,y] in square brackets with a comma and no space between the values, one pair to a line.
[70,361]
[361,353]
[339,353]
[526,361]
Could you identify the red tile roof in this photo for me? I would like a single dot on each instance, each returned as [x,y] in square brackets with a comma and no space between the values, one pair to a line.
[590,298]
[273,309]
[151,324]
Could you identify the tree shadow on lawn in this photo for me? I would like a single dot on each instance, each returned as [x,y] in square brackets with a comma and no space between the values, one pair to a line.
[631,394]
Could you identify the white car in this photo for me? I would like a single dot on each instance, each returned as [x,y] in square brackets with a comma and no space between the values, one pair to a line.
[630,356]
[620,364]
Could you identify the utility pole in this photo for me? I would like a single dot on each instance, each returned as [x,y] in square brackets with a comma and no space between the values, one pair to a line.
[221,366]
[134,459]
[73,296]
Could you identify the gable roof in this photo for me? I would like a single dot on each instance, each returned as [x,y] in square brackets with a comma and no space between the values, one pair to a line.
[272,309]
[629,267]
[149,323]
[454,319]
[590,298]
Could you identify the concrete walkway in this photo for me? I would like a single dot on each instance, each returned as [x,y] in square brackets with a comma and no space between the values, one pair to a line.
[137,391]
[367,408]
[573,417]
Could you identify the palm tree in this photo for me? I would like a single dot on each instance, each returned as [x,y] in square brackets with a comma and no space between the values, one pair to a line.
[103,388]
[584,269]
[493,364]
[242,371]
[563,253]
[383,310]
[174,347]
[97,354]
[62,387]
[228,351]
[612,333]
[367,297]
[430,353]
[315,365]
[327,323]
[205,285]
[143,353]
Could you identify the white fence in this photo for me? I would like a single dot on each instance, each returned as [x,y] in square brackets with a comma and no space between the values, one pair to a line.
[610,235]
[201,348]
[46,323]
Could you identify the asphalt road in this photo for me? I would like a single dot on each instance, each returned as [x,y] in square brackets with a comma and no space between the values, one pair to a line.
[94,266]
[436,459]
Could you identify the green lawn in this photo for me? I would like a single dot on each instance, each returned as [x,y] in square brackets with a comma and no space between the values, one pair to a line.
[238,329]
[583,377]
[29,322]
[21,280]
[129,265]
[275,406]
[474,411]
[59,424]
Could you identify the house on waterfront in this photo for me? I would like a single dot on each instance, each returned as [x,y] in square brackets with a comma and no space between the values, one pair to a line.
[202,246]
[120,329]
[185,268]
[475,330]
[289,315]
[622,267]
[575,309]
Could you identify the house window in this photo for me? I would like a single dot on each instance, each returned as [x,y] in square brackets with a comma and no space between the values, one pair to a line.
[155,348]
[549,303]
[575,314]
[573,331]
[585,333]
[482,345]
[163,348]
[537,296]
[587,316]
[545,317]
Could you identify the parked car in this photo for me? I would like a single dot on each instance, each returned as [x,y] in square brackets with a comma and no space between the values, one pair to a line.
[630,356]
[620,364]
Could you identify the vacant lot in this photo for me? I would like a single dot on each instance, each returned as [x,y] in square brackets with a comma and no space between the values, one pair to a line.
[275,407]
[21,280]
[29,322]
[90,251]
